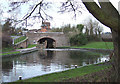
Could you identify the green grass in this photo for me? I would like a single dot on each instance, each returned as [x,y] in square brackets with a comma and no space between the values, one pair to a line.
[19,39]
[7,49]
[13,37]
[97,45]
[64,75]
[31,45]
[8,53]
[64,47]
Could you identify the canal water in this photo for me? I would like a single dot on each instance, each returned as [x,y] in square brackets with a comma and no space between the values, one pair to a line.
[47,61]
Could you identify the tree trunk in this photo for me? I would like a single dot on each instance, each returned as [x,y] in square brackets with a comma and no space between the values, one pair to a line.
[110,19]
[99,34]
[87,31]
[116,56]
[104,17]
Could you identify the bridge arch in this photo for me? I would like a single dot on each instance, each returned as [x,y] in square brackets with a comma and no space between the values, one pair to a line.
[48,42]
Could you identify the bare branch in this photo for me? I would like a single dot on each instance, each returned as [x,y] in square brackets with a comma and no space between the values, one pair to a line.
[33,10]
[70,6]
[47,16]
[16,4]
[41,5]
[14,8]
[26,22]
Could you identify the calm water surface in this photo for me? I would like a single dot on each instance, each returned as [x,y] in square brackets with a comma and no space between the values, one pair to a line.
[47,61]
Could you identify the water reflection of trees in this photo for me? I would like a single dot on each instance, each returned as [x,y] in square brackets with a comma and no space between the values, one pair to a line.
[83,56]
[7,66]
[46,59]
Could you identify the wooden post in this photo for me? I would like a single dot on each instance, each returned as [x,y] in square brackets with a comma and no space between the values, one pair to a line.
[20,77]
[75,66]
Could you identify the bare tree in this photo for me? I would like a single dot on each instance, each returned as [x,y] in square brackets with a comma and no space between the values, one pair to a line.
[86,30]
[93,28]
[35,10]
[99,29]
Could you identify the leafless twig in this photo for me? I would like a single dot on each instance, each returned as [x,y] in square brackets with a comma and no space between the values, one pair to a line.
[33,10]
[70,6]
[41,13]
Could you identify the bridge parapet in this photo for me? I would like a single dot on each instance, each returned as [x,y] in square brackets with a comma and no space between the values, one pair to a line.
[60,38]
[48,32]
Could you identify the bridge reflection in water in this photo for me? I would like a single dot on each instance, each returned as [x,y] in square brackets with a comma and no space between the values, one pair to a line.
[46,54]
[47,43]
[47,61]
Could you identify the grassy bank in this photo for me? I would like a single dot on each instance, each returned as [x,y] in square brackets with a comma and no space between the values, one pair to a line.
[8,53]
[7,49]
[97,45]
[19,39]
[10,50]
[66,75]
[31,45]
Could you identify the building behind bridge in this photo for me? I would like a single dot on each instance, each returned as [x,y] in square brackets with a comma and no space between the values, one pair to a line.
[45,27]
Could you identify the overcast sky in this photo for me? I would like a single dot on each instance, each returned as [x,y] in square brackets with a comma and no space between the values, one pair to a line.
[58,18]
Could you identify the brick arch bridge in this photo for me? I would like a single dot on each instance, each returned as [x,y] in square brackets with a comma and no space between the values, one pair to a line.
[53,39]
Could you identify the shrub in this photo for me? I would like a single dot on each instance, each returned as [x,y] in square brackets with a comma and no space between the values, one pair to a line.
[6,40]
[79,39]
